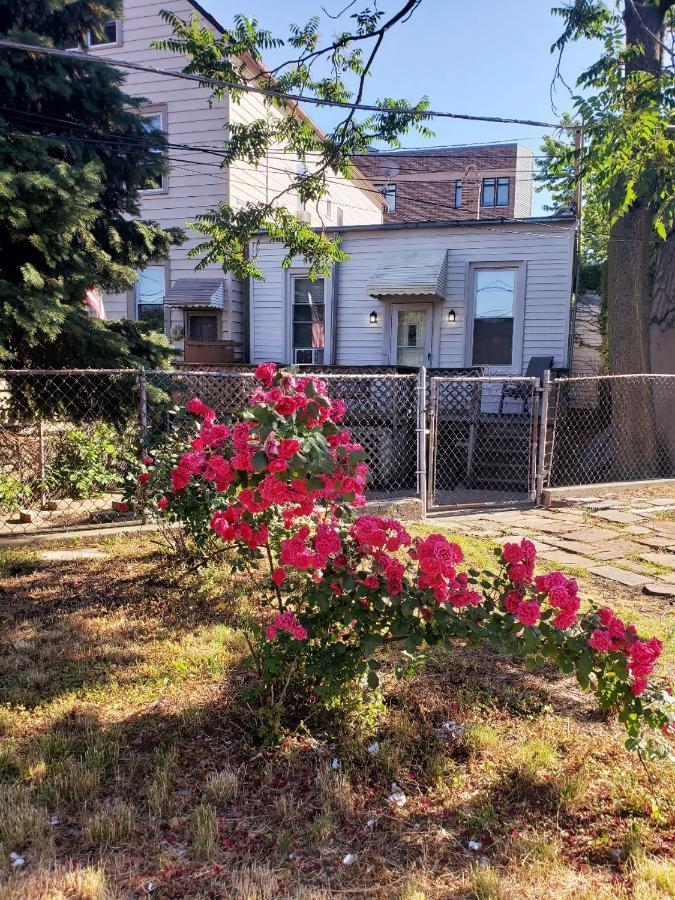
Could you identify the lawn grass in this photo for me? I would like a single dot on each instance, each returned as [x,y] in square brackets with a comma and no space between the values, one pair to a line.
[129,764]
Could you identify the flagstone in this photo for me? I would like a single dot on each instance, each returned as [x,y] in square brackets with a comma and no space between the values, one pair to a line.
[659,589]
[661,559]
[636,529]
[71,555]
[591,535]
[571,546]
[568,559]
[618,549]
[621,517]
[656,540]
[622,576]
[664,527]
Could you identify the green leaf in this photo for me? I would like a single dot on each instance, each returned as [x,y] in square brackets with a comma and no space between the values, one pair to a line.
[259,461]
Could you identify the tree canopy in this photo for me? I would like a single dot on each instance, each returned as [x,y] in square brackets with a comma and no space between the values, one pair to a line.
[74,154]
[334,70]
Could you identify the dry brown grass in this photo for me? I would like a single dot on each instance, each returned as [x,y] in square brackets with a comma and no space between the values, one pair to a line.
[128,765]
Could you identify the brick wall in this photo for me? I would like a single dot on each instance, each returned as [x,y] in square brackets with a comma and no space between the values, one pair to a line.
[425,181]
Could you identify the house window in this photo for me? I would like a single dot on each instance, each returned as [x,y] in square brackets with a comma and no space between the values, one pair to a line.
[339,215]
[458,195]
[388,191]
[329,208]
[494,299]
[153,124]
[106,37]
[309,321]
[495,192]
[202,326]
[150,289]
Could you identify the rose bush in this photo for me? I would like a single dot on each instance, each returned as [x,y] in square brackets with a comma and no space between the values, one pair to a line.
[279,483]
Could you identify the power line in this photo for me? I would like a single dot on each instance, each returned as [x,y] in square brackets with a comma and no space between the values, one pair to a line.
[268,92]
[211,149]
[433,204]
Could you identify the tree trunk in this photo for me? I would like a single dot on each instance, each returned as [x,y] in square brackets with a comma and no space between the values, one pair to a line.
[662,343]
[635,441]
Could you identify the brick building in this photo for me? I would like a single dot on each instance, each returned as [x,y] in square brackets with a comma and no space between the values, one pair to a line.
[489,182]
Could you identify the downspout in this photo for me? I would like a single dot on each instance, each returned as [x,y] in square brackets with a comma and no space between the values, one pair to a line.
[246,315]
[334,301]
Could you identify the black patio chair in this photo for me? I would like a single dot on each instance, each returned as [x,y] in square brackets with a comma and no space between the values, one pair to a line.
[521,390]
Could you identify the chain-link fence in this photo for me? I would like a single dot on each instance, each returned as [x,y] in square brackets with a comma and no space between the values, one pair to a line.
[68,438]
[611,428]
[483,440]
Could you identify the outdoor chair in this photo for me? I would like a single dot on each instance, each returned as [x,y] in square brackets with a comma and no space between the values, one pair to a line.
[521,390]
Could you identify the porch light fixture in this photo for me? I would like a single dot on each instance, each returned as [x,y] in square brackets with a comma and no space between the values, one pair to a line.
[451,316]
[373,318]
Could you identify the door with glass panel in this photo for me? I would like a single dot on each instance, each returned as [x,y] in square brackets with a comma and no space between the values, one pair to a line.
[410,335]
[308,321]
[492,337]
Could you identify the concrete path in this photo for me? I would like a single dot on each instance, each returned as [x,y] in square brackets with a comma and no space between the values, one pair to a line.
[629,542]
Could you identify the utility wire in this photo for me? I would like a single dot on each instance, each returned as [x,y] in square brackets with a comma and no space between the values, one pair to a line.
[268,92]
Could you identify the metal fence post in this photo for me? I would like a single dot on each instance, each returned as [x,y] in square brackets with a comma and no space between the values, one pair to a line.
[543,430]
[422,439]
[41,462]
[143,409]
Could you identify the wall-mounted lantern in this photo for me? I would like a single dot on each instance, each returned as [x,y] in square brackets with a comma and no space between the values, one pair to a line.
[451,316]
[373,318]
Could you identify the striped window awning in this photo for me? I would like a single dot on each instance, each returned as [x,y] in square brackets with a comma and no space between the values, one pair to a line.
[200,293]
[409,274]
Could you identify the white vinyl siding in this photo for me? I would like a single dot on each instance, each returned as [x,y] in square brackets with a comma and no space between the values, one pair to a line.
[543,251]
[195,183]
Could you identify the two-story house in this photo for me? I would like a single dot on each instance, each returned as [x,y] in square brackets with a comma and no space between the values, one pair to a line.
[444,184]
[203,312]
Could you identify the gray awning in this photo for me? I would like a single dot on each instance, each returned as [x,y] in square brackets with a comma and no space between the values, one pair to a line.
[411,273]
[202,293]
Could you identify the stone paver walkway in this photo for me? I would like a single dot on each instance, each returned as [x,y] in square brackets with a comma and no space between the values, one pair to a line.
[629,542]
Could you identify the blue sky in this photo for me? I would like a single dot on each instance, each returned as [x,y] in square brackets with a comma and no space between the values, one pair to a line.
[487,57]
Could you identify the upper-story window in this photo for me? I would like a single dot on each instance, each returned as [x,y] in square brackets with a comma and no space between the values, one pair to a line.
[154,122]
[495,192]
[388,191]
[309,321]
[340,216]
[107,36]
[458,195]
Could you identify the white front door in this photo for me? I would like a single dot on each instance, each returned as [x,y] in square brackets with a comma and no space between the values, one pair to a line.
[410,340]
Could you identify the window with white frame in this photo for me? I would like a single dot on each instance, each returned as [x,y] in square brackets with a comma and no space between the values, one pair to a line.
[495,192]
[153,124]
[107,36]
[150,290]
[494,312]
[308,317]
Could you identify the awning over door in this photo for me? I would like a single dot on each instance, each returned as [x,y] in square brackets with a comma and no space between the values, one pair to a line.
[410,273]
[200,293]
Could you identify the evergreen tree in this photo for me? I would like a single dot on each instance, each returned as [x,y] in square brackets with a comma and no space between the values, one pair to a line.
[69,194]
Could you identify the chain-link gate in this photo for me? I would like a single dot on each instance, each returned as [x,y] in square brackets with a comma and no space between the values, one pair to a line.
[611,428]
[482,440]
